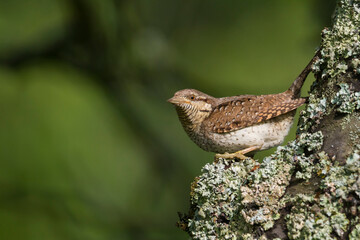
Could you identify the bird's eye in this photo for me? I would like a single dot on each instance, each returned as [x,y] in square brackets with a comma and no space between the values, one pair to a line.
[192,97]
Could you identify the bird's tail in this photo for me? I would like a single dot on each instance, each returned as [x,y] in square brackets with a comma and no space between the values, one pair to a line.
[296,86]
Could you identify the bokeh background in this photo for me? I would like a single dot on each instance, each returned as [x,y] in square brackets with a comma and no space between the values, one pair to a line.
[89,147]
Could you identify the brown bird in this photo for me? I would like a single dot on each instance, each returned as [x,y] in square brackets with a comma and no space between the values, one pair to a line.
[234,126]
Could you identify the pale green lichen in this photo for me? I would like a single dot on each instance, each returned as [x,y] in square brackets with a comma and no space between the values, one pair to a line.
[249,236]
[309,141]
[355,63]
[354,134]
[314,111]
[313,166]
[341,41]
[339,223]
[306,163]
[326,214]
[306,221]
[216,199]
[355,233]
[346,100]
[266,186]
[341,180]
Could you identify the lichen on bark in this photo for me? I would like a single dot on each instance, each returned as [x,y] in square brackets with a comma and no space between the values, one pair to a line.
[309,188]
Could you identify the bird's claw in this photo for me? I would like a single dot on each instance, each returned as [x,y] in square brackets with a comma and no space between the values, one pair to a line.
[238,155]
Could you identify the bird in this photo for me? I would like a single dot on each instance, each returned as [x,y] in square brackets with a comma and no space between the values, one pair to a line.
[236,126]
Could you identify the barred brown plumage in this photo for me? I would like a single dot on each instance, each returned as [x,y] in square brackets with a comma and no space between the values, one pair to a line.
[260,108]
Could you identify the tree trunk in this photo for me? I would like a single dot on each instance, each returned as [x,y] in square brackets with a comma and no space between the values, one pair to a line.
[310,188]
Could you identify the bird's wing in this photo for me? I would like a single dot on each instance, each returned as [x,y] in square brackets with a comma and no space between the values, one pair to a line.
[239,112]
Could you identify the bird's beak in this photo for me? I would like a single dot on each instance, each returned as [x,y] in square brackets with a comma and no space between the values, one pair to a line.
[174,100]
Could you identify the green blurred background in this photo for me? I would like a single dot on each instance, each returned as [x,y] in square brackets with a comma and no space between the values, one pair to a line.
[89,147]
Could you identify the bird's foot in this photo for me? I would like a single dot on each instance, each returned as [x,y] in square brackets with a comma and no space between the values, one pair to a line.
[239,154]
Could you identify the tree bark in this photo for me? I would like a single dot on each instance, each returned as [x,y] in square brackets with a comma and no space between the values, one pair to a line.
[310,188]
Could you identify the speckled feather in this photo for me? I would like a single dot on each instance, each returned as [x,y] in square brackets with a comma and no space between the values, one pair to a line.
[234,113]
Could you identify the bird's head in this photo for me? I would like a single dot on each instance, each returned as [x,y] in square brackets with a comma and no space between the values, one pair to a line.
[192,106]
[192,99]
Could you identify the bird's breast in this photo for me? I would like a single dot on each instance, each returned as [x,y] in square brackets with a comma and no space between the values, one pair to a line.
[266,135]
